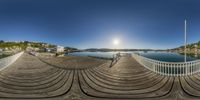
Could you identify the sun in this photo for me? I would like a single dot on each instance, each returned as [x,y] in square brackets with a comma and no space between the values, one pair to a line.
[116,41]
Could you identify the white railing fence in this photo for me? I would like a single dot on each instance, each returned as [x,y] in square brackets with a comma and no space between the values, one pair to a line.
[169,68]
[5,62]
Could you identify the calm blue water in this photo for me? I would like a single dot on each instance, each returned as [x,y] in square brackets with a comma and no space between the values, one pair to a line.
[161,56]
[169,56]
[96,54]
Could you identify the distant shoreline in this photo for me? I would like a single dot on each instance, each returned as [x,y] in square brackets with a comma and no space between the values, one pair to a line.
[116,50]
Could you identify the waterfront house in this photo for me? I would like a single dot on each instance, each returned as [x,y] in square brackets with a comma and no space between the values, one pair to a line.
[60,49]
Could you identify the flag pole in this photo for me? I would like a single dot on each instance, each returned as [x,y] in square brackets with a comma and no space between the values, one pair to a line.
[185,58]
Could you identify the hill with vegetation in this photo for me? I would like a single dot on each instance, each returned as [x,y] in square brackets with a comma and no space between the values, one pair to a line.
[22,45]
[190,47]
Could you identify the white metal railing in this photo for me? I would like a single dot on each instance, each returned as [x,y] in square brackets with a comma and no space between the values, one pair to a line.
[169,68]
[5,62]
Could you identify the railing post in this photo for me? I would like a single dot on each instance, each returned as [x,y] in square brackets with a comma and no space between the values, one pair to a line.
[159,67]
[156,68]
[174,72]
[168,70]
[177,70]
[171,69]
[182,72]
[180,67]
[191,68]
[165,69]
[186,68]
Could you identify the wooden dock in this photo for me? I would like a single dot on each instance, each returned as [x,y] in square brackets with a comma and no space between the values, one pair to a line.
[85,78]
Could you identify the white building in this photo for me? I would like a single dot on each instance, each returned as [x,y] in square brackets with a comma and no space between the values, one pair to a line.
[60,49]
[1,50]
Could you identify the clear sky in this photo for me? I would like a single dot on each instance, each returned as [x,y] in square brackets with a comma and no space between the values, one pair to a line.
[156,24]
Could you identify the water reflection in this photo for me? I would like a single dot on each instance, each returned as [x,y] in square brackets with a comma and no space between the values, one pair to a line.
[170,56]
[193,55]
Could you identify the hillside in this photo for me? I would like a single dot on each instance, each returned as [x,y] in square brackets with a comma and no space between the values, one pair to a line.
[191,48]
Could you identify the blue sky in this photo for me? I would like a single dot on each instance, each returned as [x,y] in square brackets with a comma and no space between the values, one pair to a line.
[156,24]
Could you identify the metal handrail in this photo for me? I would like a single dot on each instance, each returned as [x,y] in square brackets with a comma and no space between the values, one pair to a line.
[169,68]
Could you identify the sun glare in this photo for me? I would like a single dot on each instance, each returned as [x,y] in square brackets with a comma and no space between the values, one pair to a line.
[116,41]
